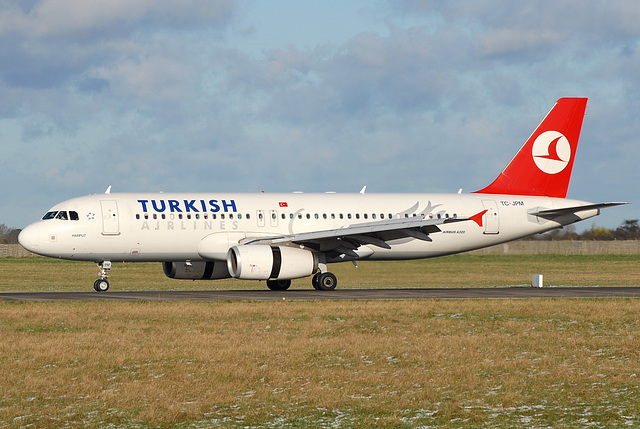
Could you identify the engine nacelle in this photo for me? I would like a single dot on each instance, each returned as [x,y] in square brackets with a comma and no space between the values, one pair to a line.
[263,262]
[199,270]
[215,246]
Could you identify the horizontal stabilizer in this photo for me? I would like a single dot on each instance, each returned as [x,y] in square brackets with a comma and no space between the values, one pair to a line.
[551,213]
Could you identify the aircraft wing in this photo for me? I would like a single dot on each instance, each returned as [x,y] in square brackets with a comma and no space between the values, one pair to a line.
[554,213]
[377,233]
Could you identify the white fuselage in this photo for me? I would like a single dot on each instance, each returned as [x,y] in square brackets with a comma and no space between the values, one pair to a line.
[171,227]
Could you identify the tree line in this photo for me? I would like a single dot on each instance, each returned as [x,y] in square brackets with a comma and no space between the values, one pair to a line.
[8,235]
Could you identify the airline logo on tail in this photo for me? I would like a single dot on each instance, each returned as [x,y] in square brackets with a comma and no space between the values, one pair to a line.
[543,165]
[551,152]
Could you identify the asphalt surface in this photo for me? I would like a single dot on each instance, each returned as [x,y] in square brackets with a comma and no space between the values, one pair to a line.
[339,294]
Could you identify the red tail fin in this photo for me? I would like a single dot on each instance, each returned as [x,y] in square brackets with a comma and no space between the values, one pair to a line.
[543,165]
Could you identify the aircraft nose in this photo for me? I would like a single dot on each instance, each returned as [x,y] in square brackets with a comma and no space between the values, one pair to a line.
[29,238]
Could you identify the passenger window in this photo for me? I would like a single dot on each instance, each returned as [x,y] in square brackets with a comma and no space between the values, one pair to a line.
[62,215]
[308,216]
[239,215]
[333,215]
[324,215]
[73,215]
[283,216]
[179,216]
[155,216]
[188,216]
[341,216]
[230,215]
[273,216]
[259,216]
[390,216]
[316,216]
[366,216]
[248,217]
[164,216]
[348,215]
[137,216]
[214,216]
[299,215]
[146,216]
[197,216]
[381,215]
[439,216]
[222,216]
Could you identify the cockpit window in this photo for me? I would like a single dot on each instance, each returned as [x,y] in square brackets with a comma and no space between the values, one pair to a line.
[49,215]
[61,215]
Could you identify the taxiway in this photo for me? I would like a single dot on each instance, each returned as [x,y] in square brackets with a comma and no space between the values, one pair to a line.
[340,294]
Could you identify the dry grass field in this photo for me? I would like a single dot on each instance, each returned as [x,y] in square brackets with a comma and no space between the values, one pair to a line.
[431,363]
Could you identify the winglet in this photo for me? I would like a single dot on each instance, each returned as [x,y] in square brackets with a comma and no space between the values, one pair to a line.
[477,218]
[108,191]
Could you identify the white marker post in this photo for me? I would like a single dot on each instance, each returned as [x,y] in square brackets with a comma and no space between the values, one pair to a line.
[537,280]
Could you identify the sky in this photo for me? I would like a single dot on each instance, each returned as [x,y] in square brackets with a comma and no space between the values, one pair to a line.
[283,96]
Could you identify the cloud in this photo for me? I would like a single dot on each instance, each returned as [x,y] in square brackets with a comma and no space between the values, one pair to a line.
[368,75]
[54,43]
[112,18]
[509,40]
[149,79]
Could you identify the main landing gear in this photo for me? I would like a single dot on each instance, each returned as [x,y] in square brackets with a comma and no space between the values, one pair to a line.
[320,281]
[324,281]
[102,285]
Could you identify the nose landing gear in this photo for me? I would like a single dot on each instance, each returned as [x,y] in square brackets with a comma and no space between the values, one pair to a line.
[102,285]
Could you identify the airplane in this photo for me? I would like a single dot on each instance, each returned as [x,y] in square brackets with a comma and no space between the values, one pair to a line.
[278,237]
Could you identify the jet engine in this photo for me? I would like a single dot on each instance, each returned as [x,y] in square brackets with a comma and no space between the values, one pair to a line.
[263,262]
[200,270]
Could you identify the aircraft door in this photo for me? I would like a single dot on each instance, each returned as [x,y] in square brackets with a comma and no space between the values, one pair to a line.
[491,218]
[110,221]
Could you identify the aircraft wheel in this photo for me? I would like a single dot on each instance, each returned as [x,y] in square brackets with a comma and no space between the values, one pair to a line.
[327,281]
[101,285]
[278,284]
[316,280]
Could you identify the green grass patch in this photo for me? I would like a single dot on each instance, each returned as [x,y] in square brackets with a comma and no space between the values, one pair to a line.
[458,271]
